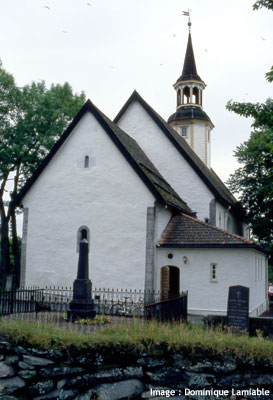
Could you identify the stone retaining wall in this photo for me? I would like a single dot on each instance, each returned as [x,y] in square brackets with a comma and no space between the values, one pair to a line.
[111,374]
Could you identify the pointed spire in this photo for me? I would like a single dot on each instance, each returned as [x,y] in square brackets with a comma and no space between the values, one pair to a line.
[189,69]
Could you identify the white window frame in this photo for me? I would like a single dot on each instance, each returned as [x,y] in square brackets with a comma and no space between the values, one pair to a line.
[185,129]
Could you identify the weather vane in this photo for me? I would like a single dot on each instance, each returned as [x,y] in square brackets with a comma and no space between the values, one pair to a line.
[187,14]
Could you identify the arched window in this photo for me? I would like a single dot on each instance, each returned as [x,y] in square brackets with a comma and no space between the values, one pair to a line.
[186,95]
[83,233]
[195,94]
[170,282]
[178,97]
[86,162]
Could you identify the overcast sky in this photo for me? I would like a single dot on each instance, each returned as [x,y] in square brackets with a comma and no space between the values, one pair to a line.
[108,48]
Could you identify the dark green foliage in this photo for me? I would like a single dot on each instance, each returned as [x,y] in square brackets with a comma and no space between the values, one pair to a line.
[270,273]
[263,3]
[269,75]
[12,261]
[254,180]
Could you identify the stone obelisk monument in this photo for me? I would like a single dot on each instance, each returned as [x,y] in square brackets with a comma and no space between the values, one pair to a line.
[82,305]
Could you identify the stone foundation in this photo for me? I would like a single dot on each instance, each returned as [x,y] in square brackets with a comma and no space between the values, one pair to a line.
[112,374]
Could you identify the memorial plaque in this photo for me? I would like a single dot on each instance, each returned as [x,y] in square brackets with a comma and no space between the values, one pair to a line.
[238,308]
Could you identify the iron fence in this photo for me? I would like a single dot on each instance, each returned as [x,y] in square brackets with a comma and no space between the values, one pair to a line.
[121,302]
[173,309]
[107,301]
[20,301]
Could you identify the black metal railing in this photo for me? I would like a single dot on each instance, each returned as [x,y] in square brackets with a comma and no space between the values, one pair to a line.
[107,301]
[121,302]
[173,309]
[20,301]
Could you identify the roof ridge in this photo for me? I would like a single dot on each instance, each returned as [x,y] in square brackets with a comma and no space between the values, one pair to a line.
[234,235]
[221,193]
[129,148]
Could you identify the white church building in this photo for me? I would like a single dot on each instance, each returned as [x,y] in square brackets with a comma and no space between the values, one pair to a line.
[142,191]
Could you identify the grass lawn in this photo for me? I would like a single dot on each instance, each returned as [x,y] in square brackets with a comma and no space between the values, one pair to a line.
[152,337]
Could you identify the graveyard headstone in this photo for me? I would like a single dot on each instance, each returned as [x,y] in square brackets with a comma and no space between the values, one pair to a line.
[238,308]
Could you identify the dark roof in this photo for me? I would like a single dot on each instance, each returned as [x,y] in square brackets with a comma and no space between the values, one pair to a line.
[212,181]
[159,187]
[188,232]
[189,69]
[189,112]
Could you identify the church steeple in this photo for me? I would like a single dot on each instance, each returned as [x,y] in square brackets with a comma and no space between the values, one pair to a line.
[189,68]
[190,120]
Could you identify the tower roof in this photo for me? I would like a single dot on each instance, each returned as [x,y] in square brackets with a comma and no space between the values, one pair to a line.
[189,69]
[190,112]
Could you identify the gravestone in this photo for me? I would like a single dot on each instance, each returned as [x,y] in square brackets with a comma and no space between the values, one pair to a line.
[9,282]
[82,305]
[238,308]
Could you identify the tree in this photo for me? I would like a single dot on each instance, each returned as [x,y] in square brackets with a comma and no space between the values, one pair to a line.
[254,180]
[263,3]
[32,118]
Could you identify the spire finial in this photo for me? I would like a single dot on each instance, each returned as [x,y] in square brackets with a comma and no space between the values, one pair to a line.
[187,14]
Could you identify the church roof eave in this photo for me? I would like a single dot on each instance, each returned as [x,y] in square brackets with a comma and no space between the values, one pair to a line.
[188,81]
[151,177]
[217,187]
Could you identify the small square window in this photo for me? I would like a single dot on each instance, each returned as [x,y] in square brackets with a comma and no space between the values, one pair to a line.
[213,274]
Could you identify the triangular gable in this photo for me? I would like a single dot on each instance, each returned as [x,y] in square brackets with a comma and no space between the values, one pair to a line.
[211,180]
[159,187]
[185,231]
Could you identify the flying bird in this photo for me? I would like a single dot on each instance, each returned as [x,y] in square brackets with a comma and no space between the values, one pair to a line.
[89,4]
[263,38]
[47,7]
[174,35]
[65,32]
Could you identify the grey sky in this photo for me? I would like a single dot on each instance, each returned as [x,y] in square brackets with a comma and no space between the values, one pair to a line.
[111,47]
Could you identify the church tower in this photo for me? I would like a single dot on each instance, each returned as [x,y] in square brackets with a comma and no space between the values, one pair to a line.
[190,120]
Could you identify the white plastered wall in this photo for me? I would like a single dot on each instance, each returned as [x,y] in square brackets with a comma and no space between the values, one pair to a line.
[170,163]
[200,142]
[109,198]
[163,216]
[234,267]
[226,220]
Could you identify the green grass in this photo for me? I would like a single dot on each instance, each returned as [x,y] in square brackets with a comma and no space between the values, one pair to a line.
[152,337]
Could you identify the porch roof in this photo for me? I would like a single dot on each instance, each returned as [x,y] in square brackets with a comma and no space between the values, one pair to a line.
[188,232]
